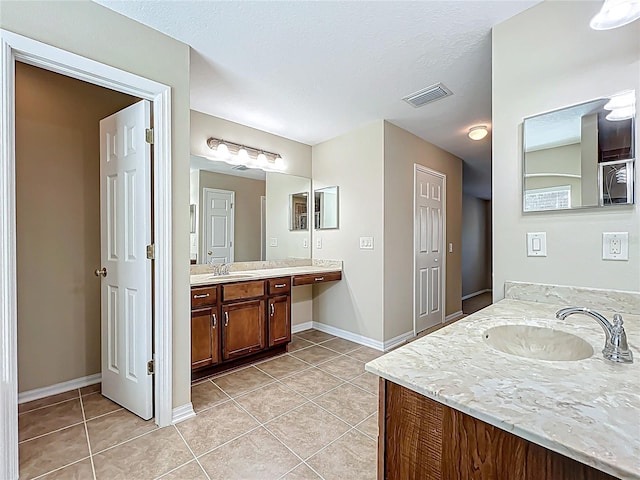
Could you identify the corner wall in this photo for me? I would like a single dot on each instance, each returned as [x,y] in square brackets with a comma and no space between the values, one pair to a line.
[534,73]
[476,245]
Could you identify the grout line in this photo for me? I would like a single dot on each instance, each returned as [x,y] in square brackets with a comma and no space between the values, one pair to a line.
[47,406]
[86,431]
[59,468]
[173,469]
[366,434]
[127,441]
[289,471]
[194,455]
[49,433]
[105,414]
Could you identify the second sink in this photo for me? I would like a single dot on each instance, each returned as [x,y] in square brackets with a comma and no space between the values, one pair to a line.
[538,343]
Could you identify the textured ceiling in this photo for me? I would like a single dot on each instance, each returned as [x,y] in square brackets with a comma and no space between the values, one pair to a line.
[310,71]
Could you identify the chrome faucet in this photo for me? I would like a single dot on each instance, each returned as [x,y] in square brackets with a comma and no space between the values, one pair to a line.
[218,268]
[615,348]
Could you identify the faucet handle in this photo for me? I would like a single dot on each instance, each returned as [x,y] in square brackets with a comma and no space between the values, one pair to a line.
[617,320]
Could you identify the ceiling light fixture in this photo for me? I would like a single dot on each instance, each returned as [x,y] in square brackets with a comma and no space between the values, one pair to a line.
[235,153]
[615,13]
[478,132]
[622,106]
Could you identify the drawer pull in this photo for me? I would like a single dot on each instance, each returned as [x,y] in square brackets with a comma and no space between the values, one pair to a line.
[213,320]
[280,285]
[273,310]
[319,279]
[201,296]
[226,319]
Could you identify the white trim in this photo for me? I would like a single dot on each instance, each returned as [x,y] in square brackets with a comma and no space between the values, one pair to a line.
[399,340]
[453,316]
[182,413]
[38,393]
[475,294]
[301,327]
[16,47]
[354,337]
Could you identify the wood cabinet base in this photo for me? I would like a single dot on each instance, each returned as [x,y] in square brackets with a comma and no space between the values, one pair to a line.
[422,439]
[197,375]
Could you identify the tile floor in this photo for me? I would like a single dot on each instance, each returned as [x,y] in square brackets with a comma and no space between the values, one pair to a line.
[473,304]
[308,414]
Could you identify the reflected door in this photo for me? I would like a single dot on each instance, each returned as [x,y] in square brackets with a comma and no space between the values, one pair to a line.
[218,225]
[429,242]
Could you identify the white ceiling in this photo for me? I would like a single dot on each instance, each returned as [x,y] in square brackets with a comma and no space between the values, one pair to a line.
[312,70]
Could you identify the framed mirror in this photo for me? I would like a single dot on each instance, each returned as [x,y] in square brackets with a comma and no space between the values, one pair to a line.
[325,208]
[298,211]
[580,156]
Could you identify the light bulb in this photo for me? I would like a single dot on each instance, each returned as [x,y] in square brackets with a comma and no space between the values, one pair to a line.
[478,132]
[615,13]
[243,155]
[222,149]
[262,159]
[279,163]
[621,100]
[619,114]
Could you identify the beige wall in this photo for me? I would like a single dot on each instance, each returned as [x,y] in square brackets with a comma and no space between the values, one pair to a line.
[95,32]
[569,64]
[564,159]
[247,210]
[58,224]
[476,245]
[353,162]
[401,151]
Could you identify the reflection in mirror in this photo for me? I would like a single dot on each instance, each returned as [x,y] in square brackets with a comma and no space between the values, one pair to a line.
[240,213]
[325,211]
[298,208]
[580,156]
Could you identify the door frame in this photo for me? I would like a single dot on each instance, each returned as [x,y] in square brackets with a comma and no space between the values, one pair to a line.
[203,234]
[14,47]
[416,168]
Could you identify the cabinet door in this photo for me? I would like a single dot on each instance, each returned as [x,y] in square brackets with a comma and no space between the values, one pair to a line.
[243,330]
[279,320]
[205,349]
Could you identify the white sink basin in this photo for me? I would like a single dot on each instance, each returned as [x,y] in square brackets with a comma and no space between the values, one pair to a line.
[537,342]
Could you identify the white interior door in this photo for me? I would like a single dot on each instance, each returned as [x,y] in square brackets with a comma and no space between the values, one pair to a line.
[429,223]
[125,230]
[218,225]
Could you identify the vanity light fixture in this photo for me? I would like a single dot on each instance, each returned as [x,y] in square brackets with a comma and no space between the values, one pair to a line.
[237,154]
[622,106]
[616,13]
[478,132]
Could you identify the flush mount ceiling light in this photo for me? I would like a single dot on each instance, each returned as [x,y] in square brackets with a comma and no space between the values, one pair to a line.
[250,157]
[478,132]
[616,13]
[622,106]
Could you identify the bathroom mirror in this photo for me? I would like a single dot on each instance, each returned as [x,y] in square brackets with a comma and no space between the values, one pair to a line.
[325,211]
[243,214]
[580,156]
[298,211]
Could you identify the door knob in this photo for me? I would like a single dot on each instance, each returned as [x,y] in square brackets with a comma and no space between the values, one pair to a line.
[101,272]
[209,252]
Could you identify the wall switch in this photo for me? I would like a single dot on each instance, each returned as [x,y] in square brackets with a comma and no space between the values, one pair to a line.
[366,243]
[615,246]
[318,243]
[273,242]
[450,247]
[537,244]
[305,243]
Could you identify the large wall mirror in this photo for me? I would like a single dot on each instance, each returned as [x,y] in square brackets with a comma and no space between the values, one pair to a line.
[580,156]
[325,208]
[242,214]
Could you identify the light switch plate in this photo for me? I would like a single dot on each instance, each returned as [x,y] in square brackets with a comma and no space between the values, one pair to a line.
[305,243]
[537,244]
[273,242]
[450,247]
[366,243]
[318,243]
[615,246]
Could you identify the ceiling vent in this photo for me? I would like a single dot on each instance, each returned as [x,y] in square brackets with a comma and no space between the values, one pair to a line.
[242,168]
[428,95]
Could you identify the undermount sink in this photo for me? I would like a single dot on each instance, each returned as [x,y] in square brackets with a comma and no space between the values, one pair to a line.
[538,343]
[230,276]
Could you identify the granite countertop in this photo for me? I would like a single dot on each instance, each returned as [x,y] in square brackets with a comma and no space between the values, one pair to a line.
[588,410]
[261,274]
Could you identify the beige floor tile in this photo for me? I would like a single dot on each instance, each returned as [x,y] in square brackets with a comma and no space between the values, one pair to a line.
[368,381]
[297,343]
[354,456]
[254,456]
[213,427]
[115,428]
[43,454]
[89,389]
[44,402]
[95,405]
[341,345]
[312,382]
[370,426]
[315,354]
[365,354]
[315,336]
[78,471]
[48,419]
[307,429]
[205,395]
[242,381]
[349,403]
[144,458]
[270,401]
[282,366]
[343,367]
[301,472]
[190,471]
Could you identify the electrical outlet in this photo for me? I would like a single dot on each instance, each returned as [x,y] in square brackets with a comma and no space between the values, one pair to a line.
[318,243]
[273,242]
[366,243]
[615,246]
[450,247]
[305,243]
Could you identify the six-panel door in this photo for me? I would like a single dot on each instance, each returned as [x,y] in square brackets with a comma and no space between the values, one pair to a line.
[279,320]
[243,328]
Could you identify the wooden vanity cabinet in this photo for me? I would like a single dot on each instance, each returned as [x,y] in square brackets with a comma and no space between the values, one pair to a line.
[205,338]
[243,329]
[279,311]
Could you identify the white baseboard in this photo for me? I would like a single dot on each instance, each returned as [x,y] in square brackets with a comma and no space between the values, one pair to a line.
[475,294]
[300,327]
[399,340]
[354,337]
[453,316]
[182,413]
[62,387]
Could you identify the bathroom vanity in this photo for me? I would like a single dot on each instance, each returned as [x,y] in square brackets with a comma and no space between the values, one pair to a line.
[455,405]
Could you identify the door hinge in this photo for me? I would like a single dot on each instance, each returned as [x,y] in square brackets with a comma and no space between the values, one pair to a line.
[151,365]
[148,135]
[151,251]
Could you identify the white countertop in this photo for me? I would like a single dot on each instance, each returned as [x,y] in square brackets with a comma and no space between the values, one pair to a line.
[261,274]
[588,410]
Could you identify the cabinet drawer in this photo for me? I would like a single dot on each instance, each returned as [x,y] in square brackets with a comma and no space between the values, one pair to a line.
[238,291]
[316,278]
[279,286]
[202,296]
